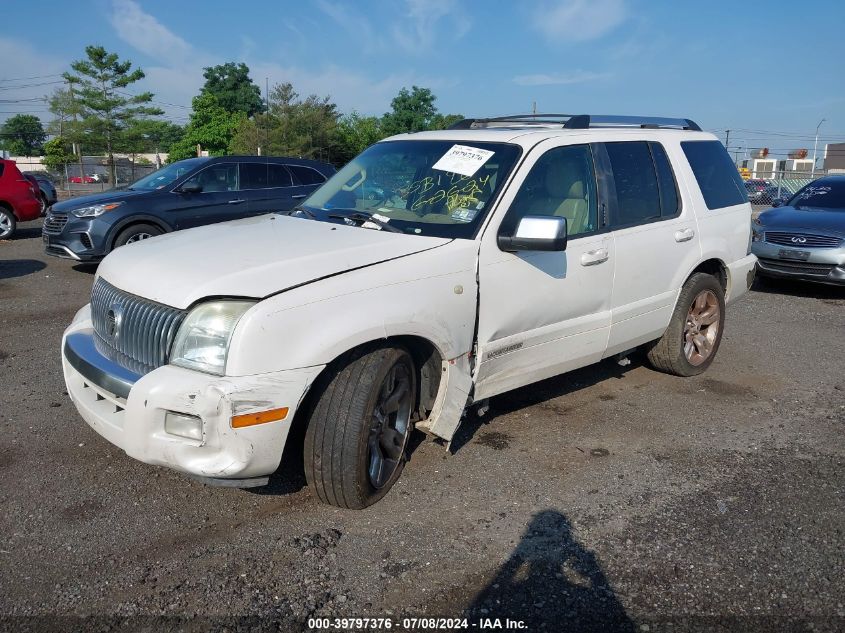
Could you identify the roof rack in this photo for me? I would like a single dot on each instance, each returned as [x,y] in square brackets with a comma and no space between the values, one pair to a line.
[579,121]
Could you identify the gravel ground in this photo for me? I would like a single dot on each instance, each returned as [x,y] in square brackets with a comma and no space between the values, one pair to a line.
[608,499]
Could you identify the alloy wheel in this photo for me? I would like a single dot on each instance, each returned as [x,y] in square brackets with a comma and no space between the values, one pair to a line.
[701,330]
[390,426]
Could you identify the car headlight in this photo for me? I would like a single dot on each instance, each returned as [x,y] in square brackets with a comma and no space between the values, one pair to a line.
[202,342]
[95,209]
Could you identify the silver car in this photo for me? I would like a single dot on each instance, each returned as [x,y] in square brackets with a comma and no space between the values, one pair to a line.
[805,238]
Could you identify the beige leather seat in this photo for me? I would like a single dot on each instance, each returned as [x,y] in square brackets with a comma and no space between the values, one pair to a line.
[565,196]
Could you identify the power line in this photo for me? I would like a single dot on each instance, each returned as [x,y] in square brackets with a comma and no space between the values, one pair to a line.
[28,78]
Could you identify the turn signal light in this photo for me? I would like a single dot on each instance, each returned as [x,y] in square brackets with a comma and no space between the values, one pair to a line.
[251,419]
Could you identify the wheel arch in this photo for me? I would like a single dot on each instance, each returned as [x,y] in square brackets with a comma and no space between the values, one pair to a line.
[132,220]
[716,267]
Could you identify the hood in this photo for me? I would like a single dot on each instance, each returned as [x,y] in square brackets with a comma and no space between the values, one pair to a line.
[253,257]
[112,195]
[810,220]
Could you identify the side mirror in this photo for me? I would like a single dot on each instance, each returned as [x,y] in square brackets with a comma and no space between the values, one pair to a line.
[777,202]
[536,233]
[192,186]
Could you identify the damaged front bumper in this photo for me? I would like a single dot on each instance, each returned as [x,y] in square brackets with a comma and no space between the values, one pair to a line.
[129,410]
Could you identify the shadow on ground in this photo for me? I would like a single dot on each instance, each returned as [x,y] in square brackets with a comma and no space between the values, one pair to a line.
[20,267]
[552,581]
[798,288]
[548,389]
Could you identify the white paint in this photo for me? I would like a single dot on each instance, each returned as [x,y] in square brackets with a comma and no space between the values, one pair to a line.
[326,288]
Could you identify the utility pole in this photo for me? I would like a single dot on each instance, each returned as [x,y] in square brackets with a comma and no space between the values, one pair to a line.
[77,145]
[816,143]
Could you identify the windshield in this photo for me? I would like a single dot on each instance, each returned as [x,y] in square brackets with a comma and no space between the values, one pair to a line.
[166,175]
[821,194]
[435,188]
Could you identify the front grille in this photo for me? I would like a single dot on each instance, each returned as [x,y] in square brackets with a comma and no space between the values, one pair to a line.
[54,223]
[134,332]
[783,238]
[806,268]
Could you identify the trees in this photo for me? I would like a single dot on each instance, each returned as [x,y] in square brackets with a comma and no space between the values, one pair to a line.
[211,126]
[23,135]
[107,110]
[234,90]
[414,111]
[356,133]
[57,154]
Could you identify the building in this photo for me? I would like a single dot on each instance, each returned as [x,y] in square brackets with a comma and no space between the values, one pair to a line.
[834,157]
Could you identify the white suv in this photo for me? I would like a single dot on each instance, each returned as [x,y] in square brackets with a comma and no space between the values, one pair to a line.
[433,271]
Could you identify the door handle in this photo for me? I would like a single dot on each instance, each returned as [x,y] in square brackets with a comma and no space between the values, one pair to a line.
[299,196]
[237,201]
[592,258]
[684,235]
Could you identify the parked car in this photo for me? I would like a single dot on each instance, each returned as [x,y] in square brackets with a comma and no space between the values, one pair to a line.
[47,187]
[805,239]
[185,194]
[19,201]
[756,188]
[82,180]
[37,190]
[516,251]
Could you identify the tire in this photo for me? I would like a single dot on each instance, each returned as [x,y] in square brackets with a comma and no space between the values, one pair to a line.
[136,233]
[689,344]
[349,426]
[8,223]
[45,204]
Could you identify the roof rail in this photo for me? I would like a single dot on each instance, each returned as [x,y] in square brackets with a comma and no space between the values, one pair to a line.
[579,121]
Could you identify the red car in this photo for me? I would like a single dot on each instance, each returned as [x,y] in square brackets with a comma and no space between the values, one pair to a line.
[19,201]
[82,180]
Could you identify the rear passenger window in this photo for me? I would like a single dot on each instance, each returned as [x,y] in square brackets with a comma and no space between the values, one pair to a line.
[253,175]
[306,175]
[717,176]
[637,192]
[278,176]
[669,207]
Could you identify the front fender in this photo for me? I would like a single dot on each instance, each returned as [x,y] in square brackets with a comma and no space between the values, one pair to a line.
[432,294]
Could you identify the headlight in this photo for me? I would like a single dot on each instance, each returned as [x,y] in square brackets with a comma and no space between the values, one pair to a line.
[95,209]
[202,342]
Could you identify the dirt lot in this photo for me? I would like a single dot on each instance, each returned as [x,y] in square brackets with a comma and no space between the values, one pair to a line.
[611,498]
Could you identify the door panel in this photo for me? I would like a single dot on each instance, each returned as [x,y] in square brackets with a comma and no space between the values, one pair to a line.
[270,188]
[544,313]
[654,235]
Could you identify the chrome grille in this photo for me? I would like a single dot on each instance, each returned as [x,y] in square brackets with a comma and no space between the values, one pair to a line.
[54,223]
[135,332]
[802,240]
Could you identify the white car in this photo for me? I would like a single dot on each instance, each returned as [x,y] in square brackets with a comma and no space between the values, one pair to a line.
[503,252]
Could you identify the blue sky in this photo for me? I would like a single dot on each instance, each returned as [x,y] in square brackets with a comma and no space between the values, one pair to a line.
[769,72]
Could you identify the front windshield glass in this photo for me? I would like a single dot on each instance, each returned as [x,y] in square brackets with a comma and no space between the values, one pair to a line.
[166,175]
[435,188]
[821,194]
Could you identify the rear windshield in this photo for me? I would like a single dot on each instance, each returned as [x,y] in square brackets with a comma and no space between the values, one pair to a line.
[821,194]
[717,176]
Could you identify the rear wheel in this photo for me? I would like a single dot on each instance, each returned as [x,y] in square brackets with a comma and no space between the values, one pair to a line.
[692,339]
[136,233]
[8,223]
[358,432]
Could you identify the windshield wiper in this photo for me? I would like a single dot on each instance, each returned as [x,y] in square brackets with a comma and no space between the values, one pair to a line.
[303,210]
[362,217]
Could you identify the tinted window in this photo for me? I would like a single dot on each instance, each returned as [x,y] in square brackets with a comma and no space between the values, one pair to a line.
[666,181]
[278,176]
[2,167]
[637,193]
[821,194]
[717,176]
[253,175]
[221,177]
[306,175]
[561,183]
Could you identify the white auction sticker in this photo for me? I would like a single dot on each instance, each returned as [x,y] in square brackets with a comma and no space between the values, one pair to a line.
[462,159]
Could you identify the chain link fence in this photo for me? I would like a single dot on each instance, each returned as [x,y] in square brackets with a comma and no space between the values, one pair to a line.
[767,187]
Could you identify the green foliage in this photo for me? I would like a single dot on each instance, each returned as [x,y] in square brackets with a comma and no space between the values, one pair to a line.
[150,135]
[57,154]
[414,111]
[234,90]
[98,87]
[23,135]
[356,133]
[211,126]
